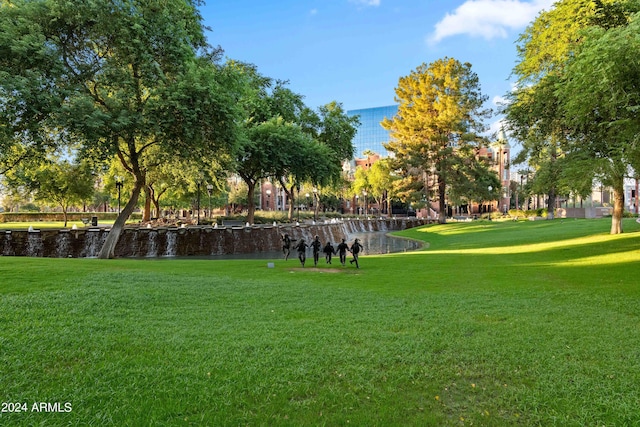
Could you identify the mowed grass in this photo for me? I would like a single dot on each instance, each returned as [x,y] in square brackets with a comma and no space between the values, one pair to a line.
[493,324]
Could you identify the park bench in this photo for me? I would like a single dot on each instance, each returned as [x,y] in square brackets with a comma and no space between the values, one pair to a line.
[93,221]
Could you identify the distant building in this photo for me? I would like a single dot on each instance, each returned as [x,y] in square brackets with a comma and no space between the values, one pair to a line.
[371,135]
[499,152]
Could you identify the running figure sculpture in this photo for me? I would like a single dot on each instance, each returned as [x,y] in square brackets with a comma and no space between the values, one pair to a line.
[302,251]
[355,250]
[328,251]
[286,246]
[317,247]
[342,251]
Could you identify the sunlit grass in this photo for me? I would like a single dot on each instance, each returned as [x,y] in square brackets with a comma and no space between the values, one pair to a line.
[38,225]
[539,247]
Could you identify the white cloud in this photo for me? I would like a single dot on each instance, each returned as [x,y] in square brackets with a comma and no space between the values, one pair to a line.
[488,18]
[500,100]
[496,126]
[313,12]
[366,2]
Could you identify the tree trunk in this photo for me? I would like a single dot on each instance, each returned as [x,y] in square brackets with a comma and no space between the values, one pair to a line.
[251,208]
[156,205]
[316,205]
[109,246]
[291,196]
[442,215]
[146,216]
[551,203]
[618,205]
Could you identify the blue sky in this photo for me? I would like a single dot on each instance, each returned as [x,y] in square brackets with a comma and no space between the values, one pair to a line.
[354,51]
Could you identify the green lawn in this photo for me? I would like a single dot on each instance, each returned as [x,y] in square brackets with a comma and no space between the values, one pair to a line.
[495,323]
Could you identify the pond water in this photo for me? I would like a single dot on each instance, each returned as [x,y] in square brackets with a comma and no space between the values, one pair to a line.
[374,242]
[380,243]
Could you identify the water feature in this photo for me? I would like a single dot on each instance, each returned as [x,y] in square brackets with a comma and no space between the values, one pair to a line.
[152,246]
[171,239]
[34,244]
[93,241]
[64,247]
[258,241]
[374,243]
[7,244]
[378,242]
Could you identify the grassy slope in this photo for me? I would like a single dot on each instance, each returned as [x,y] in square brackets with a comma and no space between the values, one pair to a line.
[532,323]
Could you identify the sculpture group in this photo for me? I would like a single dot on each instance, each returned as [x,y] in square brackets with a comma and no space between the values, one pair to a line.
[316,247]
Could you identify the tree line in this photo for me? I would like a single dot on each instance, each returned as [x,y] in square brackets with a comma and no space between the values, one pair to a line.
[574,110]
[133,89]
[575,107]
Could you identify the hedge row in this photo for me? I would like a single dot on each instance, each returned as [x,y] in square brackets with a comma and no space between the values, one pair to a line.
[525,214]
[57,216]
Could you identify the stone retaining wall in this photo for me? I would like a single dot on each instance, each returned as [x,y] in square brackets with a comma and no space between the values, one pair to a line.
[188,241]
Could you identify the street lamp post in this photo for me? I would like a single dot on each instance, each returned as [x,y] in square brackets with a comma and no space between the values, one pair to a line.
[209,190]
[119,184]
[198,204]
[315,206]
[490,188]
[298,201]
[306,195]
[358,204]
[366,211]
[268,199]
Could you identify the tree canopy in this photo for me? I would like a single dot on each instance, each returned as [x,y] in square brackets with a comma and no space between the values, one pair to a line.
[441,111]
[116,78]
[573,97]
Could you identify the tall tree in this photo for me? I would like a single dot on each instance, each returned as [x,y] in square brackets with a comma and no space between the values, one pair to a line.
[270,131]
[336,130]
[303,145]
[381,179]
[320,163]
[29,89]
[55,183]
[471,178]
[120,78]
[441,109]
[269,147]
[534,117]
[601,97]
[537,114]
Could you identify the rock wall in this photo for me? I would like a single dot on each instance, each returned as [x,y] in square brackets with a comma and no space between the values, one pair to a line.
[188,241]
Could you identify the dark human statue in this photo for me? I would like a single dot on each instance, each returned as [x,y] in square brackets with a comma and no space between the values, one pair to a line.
[342,251]
[355,250]
[302,251]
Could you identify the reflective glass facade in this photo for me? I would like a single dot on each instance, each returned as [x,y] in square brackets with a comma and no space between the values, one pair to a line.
[371,134]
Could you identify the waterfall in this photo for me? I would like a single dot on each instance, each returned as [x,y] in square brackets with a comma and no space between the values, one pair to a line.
[93,240]
[63,247]
[34,244]
[152,244]
[172,236]
[7,247]
[196,241]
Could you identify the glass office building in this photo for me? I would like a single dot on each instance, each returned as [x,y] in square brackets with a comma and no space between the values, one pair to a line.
[371,134]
